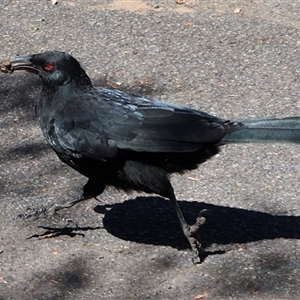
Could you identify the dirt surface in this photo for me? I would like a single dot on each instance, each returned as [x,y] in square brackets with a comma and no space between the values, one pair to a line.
[232,60]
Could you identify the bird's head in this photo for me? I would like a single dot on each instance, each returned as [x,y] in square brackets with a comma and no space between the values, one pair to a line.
[54,67]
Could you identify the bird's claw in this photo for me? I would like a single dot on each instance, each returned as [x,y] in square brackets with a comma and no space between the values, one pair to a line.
[47,211]
[68,221]
[40,212]
[197,249]
[32,213]
[196,245]
[193,235]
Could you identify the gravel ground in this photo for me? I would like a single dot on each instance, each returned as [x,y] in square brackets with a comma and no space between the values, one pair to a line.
[232,60]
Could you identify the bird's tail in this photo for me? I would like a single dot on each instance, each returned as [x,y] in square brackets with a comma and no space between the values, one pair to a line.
[285,130]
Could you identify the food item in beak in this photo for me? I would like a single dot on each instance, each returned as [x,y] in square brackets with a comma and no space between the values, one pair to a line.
[6,66]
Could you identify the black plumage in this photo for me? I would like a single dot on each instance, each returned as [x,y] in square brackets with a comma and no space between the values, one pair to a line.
[130,142]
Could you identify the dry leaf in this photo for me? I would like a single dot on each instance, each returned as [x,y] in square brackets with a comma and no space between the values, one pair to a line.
[46,236]
[143,81]
[193,178]
[88,208]
[201,296]
[2,280]
[237,10]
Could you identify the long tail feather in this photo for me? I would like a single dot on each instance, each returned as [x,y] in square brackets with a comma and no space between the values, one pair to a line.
[285,130]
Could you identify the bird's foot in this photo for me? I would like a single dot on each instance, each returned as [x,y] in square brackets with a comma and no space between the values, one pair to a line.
[193,235]
[47,211]
[37,213]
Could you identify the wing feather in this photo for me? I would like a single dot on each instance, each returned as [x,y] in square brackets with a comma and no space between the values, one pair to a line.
[112,120]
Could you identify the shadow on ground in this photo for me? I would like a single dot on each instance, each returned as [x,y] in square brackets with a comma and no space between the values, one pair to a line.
[151,220]
[53,284]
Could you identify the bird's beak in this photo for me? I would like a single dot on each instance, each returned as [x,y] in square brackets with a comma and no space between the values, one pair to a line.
[23,63]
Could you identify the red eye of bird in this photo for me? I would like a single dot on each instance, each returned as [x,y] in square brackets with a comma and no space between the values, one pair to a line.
[48,67]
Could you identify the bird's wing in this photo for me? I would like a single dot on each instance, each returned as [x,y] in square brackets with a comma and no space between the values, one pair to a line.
[165,127]
[113,120]
[91,128]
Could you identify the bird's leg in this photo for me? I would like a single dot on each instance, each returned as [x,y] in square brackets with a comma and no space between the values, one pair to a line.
[191,232]
[91,190]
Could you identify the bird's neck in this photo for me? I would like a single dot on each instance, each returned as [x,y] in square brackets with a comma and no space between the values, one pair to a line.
[79,82]
[82,80]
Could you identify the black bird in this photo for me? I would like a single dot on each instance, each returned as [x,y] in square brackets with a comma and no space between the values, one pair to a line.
[131,142]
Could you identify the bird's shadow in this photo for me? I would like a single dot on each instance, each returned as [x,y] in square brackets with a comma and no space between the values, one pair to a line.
[151,220]
[52,232]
